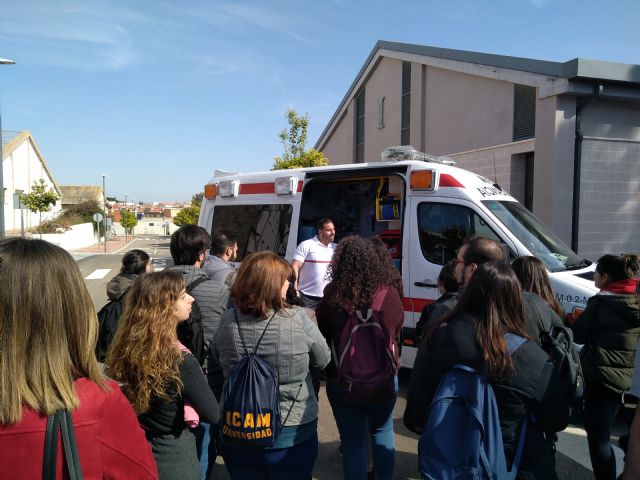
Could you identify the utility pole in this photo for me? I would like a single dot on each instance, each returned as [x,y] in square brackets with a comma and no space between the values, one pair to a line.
[3,61]
[104,211]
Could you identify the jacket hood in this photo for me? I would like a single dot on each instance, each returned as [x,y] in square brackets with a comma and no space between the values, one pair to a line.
[624,305]
[119,284]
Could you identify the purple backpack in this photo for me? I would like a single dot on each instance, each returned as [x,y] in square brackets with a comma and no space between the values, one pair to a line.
[364,356]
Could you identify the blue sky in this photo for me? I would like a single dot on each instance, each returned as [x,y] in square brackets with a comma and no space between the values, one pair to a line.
[158,94]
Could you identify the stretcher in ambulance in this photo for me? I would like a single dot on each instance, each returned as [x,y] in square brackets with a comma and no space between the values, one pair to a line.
[421,206]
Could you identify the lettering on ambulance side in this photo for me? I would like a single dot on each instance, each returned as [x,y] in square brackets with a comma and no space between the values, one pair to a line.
[490,188]
[566,298]
[489,191]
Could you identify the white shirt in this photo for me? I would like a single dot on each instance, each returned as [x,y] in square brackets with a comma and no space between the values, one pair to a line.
[315,258]
[635,380]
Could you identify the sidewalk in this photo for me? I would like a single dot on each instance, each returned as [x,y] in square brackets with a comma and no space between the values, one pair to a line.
[114,244]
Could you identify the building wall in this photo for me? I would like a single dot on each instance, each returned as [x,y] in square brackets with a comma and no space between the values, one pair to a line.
[465,112]
[21,168]
[503,164]
[339,147]
[553,164]
[610,180]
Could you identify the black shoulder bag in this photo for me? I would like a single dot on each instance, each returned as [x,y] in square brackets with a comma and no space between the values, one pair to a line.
[60,421]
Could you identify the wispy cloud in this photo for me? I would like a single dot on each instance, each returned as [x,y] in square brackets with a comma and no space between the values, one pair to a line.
[70,35]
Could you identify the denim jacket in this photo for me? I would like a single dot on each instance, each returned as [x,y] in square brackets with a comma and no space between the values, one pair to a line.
[292,344]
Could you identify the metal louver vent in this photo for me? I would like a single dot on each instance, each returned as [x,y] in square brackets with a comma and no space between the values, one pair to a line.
[405,120]
[524,112]
[359,129]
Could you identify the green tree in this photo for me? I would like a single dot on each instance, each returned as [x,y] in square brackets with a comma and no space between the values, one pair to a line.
[39,199]
[196,200]
[187,216]
[294,141]
[128,220]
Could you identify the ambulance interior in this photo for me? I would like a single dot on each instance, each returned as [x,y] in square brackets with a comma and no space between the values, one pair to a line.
[365,206]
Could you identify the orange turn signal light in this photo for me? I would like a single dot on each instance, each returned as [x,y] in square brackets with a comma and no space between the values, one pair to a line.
[422,180]
[210,191]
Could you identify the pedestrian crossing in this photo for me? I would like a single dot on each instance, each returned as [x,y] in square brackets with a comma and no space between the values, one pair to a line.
[98,274]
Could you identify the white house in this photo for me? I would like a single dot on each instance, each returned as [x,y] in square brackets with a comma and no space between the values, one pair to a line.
[22,165]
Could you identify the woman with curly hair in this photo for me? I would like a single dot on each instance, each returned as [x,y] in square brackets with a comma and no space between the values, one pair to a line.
[158,376]
[358,274]
[609,328]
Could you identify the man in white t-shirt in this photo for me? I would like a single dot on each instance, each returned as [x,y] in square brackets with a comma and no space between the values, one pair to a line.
[310,263]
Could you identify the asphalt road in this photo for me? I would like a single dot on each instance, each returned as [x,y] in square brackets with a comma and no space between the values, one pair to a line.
[572,460]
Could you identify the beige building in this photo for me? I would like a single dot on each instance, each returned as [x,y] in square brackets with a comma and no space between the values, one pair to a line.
[562,138]
[73,195]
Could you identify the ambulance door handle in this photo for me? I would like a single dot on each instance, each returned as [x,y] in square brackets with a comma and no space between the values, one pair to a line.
[427,285]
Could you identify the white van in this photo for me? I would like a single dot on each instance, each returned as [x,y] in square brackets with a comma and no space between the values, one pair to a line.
[422,208]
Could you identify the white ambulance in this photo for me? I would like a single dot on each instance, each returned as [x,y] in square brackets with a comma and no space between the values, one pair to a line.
[421,206]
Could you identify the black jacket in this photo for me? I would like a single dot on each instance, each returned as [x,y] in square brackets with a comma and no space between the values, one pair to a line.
[532,387]
[609,329]
[538,316]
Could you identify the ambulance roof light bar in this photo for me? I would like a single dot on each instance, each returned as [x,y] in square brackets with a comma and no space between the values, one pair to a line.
[407,152]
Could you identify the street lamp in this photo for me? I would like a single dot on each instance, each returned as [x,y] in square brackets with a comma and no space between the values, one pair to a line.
[3,61]
[126,229]
[104,211]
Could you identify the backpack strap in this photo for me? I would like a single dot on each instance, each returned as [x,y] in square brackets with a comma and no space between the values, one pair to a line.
[244,345]
[189,288]
[514,342]
[378,298]
[519,449]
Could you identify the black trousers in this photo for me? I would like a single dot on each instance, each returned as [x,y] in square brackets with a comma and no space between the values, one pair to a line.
[600,408]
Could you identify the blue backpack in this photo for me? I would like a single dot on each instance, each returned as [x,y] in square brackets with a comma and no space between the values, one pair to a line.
[250,413]
[462,437]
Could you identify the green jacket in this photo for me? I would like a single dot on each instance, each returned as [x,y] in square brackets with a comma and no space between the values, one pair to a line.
[609,329]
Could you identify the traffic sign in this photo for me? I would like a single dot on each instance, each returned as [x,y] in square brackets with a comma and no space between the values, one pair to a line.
[97,217]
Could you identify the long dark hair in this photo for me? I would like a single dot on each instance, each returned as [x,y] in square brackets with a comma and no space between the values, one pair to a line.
[356,272]
[534,278]
[494,298]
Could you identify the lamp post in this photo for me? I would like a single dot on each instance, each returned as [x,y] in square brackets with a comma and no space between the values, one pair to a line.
[126,230]
[104,211]
[3,61]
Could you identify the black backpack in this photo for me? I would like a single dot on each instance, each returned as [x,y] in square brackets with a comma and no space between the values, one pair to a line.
[190,331]
[558,343]
[108,318]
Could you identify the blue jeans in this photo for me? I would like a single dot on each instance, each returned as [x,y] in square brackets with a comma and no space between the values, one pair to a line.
[359,424]
[206,436]
[293,463]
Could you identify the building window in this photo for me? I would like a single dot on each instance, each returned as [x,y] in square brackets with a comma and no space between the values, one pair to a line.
[381,112]
[405,124]
[524,112]
[359,133]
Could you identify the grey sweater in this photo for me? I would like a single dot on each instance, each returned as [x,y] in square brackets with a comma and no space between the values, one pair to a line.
[292,344]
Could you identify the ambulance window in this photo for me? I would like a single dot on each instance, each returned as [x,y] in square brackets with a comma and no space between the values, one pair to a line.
[258,227]
[442,227]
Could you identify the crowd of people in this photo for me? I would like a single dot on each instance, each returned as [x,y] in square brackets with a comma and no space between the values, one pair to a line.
[155,409]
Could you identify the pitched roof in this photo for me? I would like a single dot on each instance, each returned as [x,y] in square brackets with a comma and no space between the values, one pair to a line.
[77,194]
[15,140]
[574,70]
